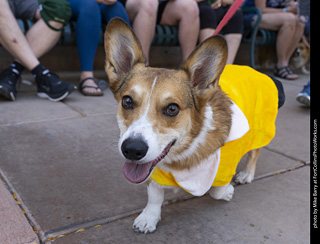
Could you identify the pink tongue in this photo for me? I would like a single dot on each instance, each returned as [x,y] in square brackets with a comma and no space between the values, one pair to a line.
[136,173]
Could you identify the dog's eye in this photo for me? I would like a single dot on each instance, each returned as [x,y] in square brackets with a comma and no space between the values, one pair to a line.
[172,110]
[127,102]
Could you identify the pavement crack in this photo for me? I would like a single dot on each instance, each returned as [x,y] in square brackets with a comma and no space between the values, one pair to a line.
[96,223]
[278,172]
[88,225]
[82,114]
[286,155]
[22,206]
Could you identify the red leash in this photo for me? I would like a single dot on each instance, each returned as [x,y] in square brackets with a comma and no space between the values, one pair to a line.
[228,15]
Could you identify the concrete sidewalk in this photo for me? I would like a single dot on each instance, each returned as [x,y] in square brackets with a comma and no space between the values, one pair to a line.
[59,164]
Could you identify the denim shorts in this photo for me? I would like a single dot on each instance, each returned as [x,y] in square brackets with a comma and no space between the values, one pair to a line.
[23,9]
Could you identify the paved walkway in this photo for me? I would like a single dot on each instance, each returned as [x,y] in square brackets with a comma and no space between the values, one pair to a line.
[60,165]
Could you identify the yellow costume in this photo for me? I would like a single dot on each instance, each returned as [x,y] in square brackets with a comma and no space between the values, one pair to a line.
[256,95]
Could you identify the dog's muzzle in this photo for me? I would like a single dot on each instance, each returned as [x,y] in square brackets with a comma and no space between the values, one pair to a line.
[135,149]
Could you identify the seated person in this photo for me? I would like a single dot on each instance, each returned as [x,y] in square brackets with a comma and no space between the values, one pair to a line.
[281,16]
[145,14]
[210,17]
[89,14]
[26,50]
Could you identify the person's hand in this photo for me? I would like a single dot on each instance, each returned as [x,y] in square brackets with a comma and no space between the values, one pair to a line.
[226,2]
[106,2]
[216,4]
[292,9]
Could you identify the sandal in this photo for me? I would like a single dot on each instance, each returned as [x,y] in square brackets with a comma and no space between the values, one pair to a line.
[284,73]
[101,84]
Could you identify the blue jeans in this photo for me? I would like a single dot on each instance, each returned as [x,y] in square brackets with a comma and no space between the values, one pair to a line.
[89,15]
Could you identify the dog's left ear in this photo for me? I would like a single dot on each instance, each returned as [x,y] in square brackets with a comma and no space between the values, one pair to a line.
[123,51]
[206,62]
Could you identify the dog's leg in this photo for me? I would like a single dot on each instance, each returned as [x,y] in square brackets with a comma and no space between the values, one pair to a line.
[151,214]
[247,175]
[222,192]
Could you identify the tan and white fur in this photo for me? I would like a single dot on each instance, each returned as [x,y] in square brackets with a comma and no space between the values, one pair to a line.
[172,119]
[301,57]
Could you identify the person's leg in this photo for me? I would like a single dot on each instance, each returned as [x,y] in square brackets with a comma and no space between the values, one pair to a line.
[185,14]
[208,21]
[233,41]
[87,15]
[143,15]
[285,24]
[12,38]
[112,11]
[233,33]
[40,37]
[298,35]
[205,33]
[14,41]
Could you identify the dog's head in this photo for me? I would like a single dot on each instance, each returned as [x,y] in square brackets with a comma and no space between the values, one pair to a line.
[301,55]
[161,112]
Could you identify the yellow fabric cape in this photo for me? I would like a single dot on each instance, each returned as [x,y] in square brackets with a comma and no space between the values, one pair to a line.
[257,97]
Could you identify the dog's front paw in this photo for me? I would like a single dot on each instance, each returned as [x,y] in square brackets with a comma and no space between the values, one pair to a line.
[145,223]
[222,192]
[244,177]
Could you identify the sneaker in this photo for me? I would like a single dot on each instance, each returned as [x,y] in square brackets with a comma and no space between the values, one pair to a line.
[8,81]
[51,87]
[304,96]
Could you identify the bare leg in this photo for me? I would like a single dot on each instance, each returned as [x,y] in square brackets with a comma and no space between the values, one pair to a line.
[151,214]
[247,175]
[143,14]
[289,34]
[41,38]
[233,41]
[205,33]
[298,35]
[184,13]
[12,38]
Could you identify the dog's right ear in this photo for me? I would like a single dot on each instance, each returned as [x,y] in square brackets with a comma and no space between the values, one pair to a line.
[123,51]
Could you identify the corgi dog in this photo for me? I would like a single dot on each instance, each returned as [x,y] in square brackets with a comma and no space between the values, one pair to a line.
[187,127]
[301,57]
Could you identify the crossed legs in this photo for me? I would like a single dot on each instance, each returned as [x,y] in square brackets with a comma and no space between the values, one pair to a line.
[26,49]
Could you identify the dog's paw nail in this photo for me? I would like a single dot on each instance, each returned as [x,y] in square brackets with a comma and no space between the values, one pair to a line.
[145,224]
[144,230]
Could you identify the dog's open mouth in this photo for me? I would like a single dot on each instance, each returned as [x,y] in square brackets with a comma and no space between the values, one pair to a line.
[137,173]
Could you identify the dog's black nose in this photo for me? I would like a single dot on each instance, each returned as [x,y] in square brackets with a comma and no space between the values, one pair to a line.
[134,148]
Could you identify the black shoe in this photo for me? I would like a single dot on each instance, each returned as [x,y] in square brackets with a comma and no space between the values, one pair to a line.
[50,86]
[8,81]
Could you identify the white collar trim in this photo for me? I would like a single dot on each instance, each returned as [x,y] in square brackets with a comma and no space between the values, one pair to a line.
[239,124]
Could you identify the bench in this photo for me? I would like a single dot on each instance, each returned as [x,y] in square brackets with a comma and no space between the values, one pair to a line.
[164,35]
[168,35]
[257,36]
